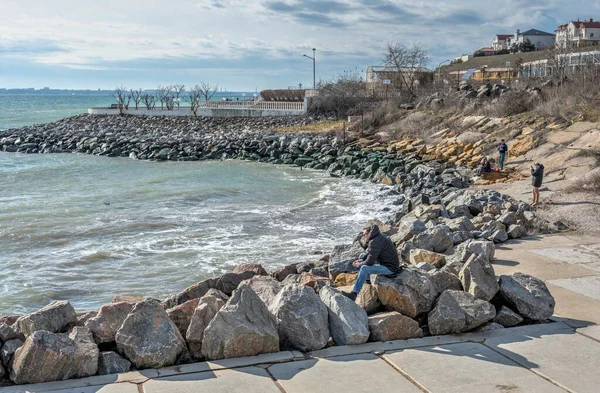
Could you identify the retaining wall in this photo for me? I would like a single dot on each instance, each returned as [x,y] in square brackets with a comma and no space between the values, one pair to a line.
[202,112]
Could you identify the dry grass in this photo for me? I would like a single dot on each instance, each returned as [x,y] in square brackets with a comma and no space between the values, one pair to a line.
[588,183]
[324,127]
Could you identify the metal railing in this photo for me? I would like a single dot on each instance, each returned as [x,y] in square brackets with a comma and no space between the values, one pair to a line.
[260,105]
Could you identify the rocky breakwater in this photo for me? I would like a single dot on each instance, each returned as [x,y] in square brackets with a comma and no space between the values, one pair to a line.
[445,235]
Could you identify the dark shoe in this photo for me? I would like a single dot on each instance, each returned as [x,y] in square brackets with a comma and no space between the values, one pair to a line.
[350,295]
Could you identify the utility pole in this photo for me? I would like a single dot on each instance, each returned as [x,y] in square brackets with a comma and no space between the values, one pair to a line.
[313,58]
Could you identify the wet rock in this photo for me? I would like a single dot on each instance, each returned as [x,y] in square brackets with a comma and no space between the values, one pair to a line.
[148,337]
[417,256]
[265,287]
[411,293]
[105,325]
[251,267]
[457,312]
[348,322]
[478,278]
[182,315]
[529,295]
[46,357]
[112,363]
[302,318]
[8,350]
[243,327]
[507,317]
[393,326]
[52,318]
[206,311]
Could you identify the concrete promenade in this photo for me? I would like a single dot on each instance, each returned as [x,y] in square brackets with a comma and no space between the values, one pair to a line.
[563,356]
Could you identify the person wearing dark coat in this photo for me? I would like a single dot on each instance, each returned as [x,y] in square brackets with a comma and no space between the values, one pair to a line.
[502,151]
[381,257]
[486,166]
[537,177]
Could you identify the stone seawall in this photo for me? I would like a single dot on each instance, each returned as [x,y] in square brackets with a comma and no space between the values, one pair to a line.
[445,235]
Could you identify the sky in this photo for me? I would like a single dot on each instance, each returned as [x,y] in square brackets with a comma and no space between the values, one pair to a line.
[243,45]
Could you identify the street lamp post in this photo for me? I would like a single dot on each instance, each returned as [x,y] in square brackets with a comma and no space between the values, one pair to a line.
[314,67]
[440,68]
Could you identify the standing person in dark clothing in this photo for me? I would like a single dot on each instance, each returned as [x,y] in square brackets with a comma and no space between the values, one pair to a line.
[537,177]
[381,250]
[502,151]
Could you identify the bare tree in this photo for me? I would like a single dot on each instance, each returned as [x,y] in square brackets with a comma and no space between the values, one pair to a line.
[408,63]
[136,95]
[342,94]
[120,95]
[149,101]
[177,90]
[207,90]
[194,97]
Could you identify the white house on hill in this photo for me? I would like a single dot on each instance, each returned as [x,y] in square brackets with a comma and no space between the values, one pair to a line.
[578,34]
[540,39]
[501,42]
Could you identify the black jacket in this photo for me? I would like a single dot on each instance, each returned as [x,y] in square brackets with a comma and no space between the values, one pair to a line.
[382,250]
[537,176]
[502,148]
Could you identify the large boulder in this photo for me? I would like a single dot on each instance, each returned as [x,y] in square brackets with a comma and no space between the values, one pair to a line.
[348,322]
[109,319]
[341,258]
[417,256]
[283,272]
[368,299]
[529,296]
[206,311]
[411,293]
[52,318]
[478,247]
[457,312]
[226,283]
[345,279]
[243,327]
[46,357]
[392,325]
[8,350]
[302,318]
[443,280]
[7,333]
[434,239]
[182,315]
[516,231]
[507,317]
[265,287]
[148,337]
[251,267]
[478,278]
[112,363]
[408,228]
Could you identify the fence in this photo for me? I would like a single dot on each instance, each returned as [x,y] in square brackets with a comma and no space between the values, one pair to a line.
[258,105]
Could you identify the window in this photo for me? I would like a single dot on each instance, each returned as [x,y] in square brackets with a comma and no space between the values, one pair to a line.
[591,35]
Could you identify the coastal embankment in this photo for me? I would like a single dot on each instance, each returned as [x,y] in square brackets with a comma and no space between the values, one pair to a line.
[446,235]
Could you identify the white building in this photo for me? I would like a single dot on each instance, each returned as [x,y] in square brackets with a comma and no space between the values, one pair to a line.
[540,39]
[578,34]
[501,42]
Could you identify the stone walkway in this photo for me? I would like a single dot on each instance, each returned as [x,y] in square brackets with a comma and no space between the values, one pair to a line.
[563,356]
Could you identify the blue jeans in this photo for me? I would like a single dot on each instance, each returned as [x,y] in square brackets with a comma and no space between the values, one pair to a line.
[501,161]
[364,273]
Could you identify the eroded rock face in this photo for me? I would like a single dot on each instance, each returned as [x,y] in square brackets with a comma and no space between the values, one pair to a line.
[348,322]
[251,267]
[204,313]
[302,318]
[265,287]
[47,356]
[182,315]
[457,312]
[148,337]
[507,317]
[478,278]
[112,363]
[392,325]
[529,295]
[243,327]
[52,318]
[109,319]
[411,293]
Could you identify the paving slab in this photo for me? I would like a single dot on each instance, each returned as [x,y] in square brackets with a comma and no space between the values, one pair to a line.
[467,368]
[588,286]
[569,359]
[586,256]
[592,332]
[575,306]
[240,380]
[542,267]
[362,373]
[114,388]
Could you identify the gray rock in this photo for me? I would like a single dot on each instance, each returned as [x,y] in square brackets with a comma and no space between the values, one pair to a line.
[442,280]
[529,295]
[8,350]
[265,287]
[46,357]
[434,239]
[478,278]
[368,299]
[341,258]
[250,267]
[52,318]
[110,317]
[112,363]
[148,337]
[478,247]
[302,318]
[393,326]
[411,293]
[225,283]
[407,229]
[348,322]
[243,327]
[82,318]
[460,224]
[425,266]
[516,231]
[206,311]
[507,317]
[457,312]
[7,333]
[218,294]
[285,271]
[508,219]
[182,314]
[488,327]
[497,236]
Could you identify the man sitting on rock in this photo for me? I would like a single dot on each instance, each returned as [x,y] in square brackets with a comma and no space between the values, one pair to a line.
[381,250]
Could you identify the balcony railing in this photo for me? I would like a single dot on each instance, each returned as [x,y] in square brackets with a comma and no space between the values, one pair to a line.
[260,105]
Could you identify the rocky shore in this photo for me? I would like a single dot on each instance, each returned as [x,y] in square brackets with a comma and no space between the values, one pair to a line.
[445,234]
